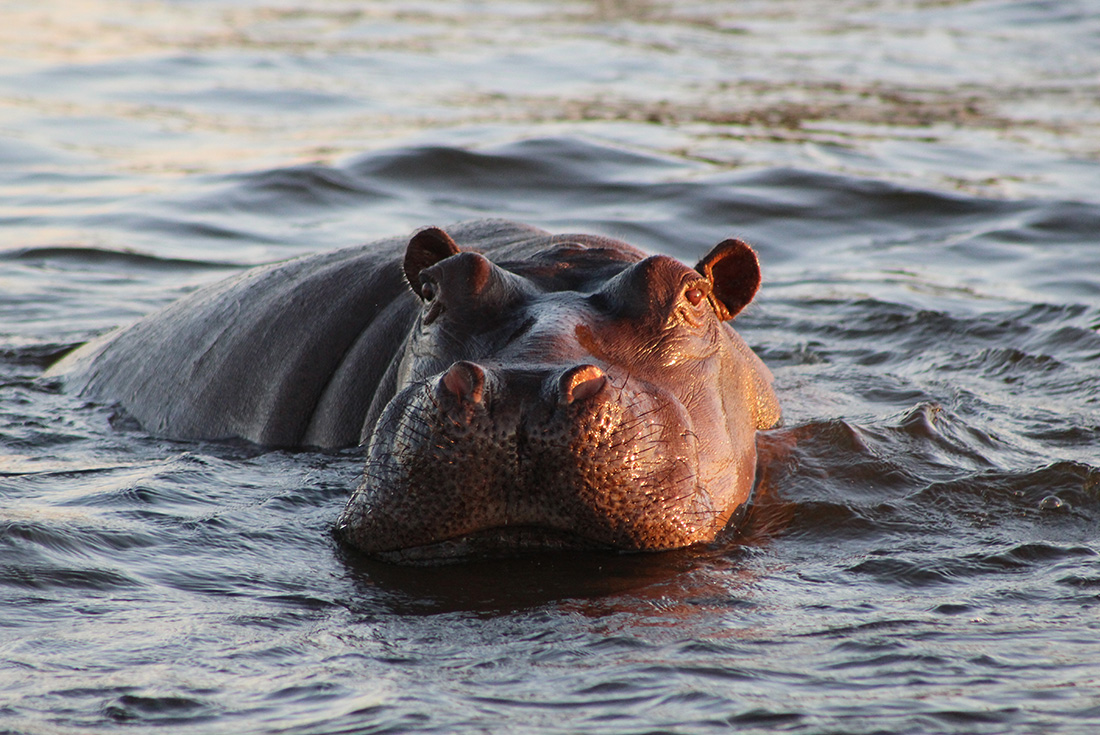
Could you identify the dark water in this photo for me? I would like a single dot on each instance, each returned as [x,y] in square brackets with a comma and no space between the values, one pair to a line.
[920,181]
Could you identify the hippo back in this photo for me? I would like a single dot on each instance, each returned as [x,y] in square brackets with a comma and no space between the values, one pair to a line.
[289,354]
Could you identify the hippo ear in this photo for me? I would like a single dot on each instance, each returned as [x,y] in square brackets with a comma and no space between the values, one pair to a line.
[734,275]
[426,248]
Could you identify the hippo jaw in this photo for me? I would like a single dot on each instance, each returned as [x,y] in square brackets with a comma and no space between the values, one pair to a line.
[462,466]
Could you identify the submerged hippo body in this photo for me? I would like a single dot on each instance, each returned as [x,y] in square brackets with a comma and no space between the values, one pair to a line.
[513,388]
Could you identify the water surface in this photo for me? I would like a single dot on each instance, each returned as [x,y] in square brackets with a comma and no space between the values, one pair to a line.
[920,181]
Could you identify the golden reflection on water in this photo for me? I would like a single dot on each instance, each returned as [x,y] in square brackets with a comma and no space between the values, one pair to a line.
[87,31]
[80,55]
[182,88]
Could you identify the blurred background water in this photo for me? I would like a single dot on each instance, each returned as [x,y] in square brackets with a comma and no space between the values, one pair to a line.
[920,179]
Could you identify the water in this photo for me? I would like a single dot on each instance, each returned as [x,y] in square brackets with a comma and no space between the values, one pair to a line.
[920,180]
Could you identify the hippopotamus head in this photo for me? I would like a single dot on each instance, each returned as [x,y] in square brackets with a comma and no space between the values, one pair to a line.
[586,396]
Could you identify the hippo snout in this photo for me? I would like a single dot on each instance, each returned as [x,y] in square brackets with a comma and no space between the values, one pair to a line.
[563,457]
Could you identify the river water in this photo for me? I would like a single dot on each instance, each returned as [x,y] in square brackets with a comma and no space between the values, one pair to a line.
[921,181]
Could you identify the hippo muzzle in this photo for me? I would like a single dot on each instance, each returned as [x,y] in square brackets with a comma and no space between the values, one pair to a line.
[561,458]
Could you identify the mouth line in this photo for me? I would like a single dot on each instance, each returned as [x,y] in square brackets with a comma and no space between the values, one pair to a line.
[493,543]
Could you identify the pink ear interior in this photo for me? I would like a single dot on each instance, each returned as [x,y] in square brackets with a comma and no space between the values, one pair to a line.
[734,273]
[426,248]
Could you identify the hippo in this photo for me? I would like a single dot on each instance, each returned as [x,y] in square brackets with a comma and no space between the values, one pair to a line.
[513,389]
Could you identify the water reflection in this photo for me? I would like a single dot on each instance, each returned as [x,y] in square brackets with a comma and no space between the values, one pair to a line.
[503,586]
[622,9]
[681,584]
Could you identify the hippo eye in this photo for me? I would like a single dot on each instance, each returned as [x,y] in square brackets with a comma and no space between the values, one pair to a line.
[693,302]
[695,295]
[427,290]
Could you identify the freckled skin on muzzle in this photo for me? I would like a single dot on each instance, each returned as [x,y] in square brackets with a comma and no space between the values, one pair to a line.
[618,413]
[573,453]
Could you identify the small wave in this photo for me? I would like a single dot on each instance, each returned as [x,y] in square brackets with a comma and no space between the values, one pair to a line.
[1041,553]
[866,202]
[74,536]
[43,577]
[296,189]
[1074,485]
[1054,222]
[920,569]
[535,163]
[1010,364]
[838,480]
[38,354]
[132,709]
[87,257]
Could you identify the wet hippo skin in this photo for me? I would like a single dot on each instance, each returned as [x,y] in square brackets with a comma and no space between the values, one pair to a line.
[512,388]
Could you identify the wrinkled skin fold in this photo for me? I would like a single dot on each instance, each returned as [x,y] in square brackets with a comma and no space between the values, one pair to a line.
[513,389]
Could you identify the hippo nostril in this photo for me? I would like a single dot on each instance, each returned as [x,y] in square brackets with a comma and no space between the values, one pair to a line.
[581,383]
[466,381]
